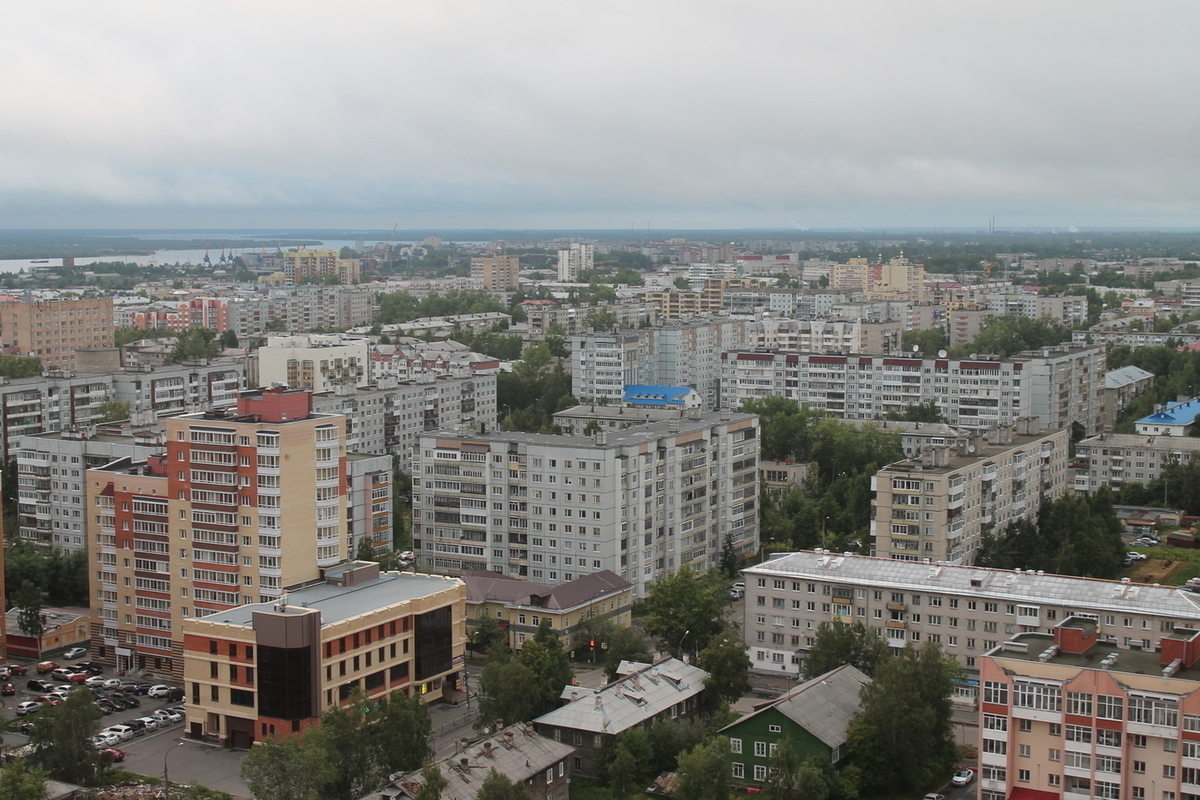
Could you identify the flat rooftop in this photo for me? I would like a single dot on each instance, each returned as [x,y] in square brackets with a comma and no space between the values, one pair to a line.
[642,434]
[1134,662]
[959,460]
[338,603]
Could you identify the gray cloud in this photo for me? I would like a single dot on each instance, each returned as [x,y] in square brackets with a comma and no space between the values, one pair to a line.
[592,115]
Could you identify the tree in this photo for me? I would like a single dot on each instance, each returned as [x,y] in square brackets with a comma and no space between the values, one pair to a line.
[727,663]
[194,344]
[20,366]
[634,741]
[62,739]
[730,561]
[113,410]
[66,577]
[399,738]
[686,610]
[365,550]
[927,411]
[902,738]
[836,644]
[286,769]
[622,769]
[601,319]
[624,644]
[496,786]
[276,324]
[29,616]
[508,690]
[432,783]
[229,338]
[486,633]
[702,772]
[670,737]
[19,781]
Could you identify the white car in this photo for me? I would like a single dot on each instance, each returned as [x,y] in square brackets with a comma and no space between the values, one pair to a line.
[152,723]
[123,732]
[75,652]
[166,716]
[408,555]
[159,690]
[28,707]
[102,682]
[963,777]
[105,739]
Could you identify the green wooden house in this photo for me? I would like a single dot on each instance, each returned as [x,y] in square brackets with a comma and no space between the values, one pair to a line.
[814,716]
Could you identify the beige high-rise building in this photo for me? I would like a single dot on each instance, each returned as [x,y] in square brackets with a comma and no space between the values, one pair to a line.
[240,506]
[53,330]
[575,259]
[498,273]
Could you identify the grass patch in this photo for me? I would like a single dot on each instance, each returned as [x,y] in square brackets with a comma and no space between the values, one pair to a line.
[1170,566]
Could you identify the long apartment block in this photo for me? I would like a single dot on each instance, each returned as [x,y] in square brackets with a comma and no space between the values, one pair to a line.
[639,502]
[204,526]
[1060,386]
[1117,459]
[967,610]
[939,504]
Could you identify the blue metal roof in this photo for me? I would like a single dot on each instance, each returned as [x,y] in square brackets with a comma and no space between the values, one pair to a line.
[1175,414]
[660,396]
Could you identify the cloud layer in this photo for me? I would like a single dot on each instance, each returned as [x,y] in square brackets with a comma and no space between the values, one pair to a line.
[568,114]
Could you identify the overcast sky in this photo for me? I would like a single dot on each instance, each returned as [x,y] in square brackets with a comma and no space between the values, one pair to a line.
[600,114]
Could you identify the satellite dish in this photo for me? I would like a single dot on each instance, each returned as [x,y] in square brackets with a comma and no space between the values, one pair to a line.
[916,348]
[970,448]
[941,353]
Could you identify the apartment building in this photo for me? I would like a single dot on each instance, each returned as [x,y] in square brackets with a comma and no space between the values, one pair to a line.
[825,336]
[52,507]
[265,669]
[1121,387]
[316,362]
[300,266]
[1117,459]
[639,502]
[1060,386]
[1067,713]
[1066,385]
[176,388]
[967,610]
[53,330]
[686,354]
[203,527]
[388,416]
[574,259]
[1068,310]
[966,322]
[940,504]
[51,403]
[544,315]
[497,273]
[1135,339]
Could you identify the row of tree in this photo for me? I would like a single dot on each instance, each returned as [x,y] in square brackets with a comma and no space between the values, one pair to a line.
[1073,535]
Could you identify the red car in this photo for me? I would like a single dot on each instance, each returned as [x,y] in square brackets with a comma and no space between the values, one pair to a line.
[18,669]
[79,677]
[8,690]
[115,753]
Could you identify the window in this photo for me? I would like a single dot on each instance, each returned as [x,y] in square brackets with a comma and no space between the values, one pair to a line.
[1040,696]
[1078,733]
[1108,738]
[760,749]
[1153,711]
[1169,771]
[739,770]
[760,772]
[1108,707]
[1023,775]
[995,692]
[1108,764]
[997,746]
[1024,750]
[1106,791]
[1025,725]
[735,746]
[1079,703]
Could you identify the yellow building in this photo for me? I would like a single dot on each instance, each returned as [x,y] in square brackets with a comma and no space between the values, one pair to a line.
[53,330]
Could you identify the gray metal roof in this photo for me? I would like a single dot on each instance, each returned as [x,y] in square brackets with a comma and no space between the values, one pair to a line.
[516,752]
[1136,440]
[823,706]
[643,434]
[487,586]
[337,603]
[1026,586]
[630,700]
[1116,378]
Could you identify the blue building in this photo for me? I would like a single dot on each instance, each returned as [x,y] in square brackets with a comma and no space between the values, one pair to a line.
[639,396]
[1176,419]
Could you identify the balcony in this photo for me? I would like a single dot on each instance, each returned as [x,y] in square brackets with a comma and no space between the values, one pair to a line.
[897,607]
[895,624]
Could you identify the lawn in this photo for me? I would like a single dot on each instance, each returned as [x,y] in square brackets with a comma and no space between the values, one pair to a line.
[1170,566]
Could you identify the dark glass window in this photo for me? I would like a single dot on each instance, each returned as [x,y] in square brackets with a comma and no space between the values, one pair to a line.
[285,682]
[399,672]
[374,681]
[240,697]
[434,643]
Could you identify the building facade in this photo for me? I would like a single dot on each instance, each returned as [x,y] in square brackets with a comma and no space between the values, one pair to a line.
[966,610]
[53,330]
[316,362]
[265,669]
[639,502]
[202,527]
[497,273]
[1117,459]
[574,259]
[940,504]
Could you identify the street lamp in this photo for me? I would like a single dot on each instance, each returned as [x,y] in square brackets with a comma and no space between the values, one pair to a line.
[679,646]
[166,780]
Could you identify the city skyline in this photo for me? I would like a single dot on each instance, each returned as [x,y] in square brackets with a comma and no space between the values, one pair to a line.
[786,116]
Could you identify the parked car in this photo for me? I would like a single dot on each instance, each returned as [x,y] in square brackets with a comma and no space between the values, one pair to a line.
[36,685]
[105,739]
[115,753]
[105,707]
[62,673]
[180,710]
[130,700]
[103,682]
[46,666]
[4,672]
[151,723]
[963,777]
[18,669]
[934,796]
[408,555]
[175,695]
[90,667]
[48,699]
[75,652]
[120,703]
[736,594]
[8,690]
[138,726]
[28,707]
[124,732]
[167,715]
[158,690]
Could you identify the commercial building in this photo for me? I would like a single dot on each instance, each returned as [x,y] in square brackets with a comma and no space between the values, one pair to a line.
[639,502]
[966,610]
[1066,713]
[520,607]
[53,330]
[812,717]
[1117,459]
[203,526]
[940,504]
[641,694]
[263,669]
[574,259]
[316,362]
